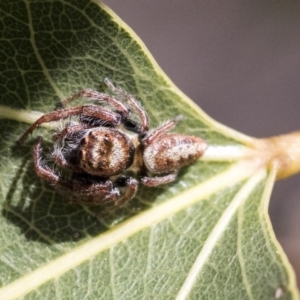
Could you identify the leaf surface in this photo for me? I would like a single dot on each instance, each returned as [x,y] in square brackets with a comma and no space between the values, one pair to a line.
[206,236]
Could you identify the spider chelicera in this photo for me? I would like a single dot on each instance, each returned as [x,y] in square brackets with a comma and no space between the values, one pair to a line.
[92,157]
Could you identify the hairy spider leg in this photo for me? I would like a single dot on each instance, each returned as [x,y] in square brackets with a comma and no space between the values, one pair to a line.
[158,180]
[45,172]
[68,130]
[88,193]
[101,97]
[165,127]
[131,186]
[141,127]
[92,111]
[60,161]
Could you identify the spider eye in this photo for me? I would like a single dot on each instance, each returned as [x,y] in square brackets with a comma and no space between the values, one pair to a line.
[93,136]
[107,141]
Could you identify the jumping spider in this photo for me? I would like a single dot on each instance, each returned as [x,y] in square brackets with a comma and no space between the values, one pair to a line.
[96,154]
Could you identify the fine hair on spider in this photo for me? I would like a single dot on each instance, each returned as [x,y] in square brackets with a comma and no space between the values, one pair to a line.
[92,147]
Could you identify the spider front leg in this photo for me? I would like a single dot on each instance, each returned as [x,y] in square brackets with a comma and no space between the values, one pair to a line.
[73,133]
[137,127]
[90,94]
[69,129]
[60,160]
[90,111]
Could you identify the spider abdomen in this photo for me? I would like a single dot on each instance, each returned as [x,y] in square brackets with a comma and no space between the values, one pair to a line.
[170,152]
[105,152]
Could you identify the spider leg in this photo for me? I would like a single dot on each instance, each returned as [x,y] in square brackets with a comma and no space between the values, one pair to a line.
[156,181]
[91,111]
[77,190]
[45,172]
[100,97]
[141,127]
[68,130]
[94,193]
[131,186]
[154,134]
[65,146]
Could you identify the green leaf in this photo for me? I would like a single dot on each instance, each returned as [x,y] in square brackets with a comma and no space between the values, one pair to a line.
[206,236]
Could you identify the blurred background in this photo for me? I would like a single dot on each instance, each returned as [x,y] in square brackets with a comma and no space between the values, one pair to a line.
[239,60]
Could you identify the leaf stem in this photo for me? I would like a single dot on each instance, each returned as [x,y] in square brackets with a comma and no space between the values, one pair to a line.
[281,152]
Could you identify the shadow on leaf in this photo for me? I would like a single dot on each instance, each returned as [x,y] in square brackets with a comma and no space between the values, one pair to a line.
[45,216]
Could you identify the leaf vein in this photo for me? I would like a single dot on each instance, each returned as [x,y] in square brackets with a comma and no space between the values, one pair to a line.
[217,232]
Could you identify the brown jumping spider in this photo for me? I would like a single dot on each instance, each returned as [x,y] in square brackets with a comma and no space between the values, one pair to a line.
[92,156]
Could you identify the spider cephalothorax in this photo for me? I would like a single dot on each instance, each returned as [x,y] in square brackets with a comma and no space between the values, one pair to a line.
[97,153]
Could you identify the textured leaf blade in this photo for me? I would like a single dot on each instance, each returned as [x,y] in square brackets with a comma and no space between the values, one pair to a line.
[52,49]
